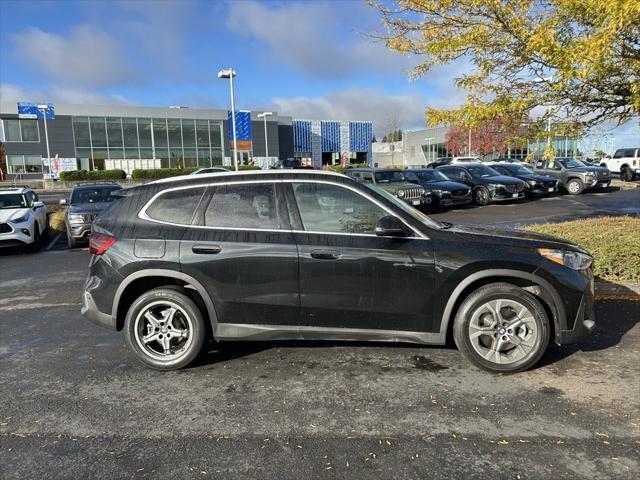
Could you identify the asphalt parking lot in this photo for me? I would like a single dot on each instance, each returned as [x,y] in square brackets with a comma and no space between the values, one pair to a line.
[76,404]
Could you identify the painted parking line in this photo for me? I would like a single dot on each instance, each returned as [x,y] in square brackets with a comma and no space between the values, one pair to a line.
[53,242]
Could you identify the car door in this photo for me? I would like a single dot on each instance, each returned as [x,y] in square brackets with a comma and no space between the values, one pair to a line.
[39,209]
[350,277]
[551,168]
[458,174]
[241,249]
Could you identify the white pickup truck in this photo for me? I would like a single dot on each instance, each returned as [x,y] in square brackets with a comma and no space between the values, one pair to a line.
[626,162]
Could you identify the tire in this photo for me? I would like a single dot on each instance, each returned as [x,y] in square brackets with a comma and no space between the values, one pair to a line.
[490,351]
[481,196]
[35,246]
[188,331]
[71,242]
[626,175]
[575,186]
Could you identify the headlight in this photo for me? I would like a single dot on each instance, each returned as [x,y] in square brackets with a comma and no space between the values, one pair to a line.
[532,183]
[22,219]
[437,191]
[589,174]
[75,218]
[493,186]
[573,260]
[401,193]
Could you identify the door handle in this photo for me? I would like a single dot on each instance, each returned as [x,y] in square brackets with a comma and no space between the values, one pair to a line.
[206,249]
[325,254]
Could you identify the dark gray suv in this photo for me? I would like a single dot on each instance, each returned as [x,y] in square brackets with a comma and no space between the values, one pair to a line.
[286,254]
[87,200]
[573,175]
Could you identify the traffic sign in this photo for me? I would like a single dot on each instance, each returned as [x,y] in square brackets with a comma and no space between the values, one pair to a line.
[36,111]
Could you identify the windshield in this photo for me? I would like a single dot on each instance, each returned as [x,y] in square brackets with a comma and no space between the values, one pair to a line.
[518,170]
[431,176]
[479,171]
[13,200]
[421,217]
[570,162]
[390,176]
[94,195]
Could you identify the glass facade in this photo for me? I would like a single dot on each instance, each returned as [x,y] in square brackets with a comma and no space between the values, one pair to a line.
[175,142]
[21,130]
[562,146]
[24,164]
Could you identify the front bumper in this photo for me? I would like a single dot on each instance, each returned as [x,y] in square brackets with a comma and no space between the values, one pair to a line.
[20,235]
[542,190]
[79,231]
[90,312]
[598,183]
[584,325]
[502,196]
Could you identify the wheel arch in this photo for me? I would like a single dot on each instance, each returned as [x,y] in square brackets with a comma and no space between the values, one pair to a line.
[534,284]
[144,280]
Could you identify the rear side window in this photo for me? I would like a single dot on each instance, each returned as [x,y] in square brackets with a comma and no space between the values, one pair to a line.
[176,206]
[252,206]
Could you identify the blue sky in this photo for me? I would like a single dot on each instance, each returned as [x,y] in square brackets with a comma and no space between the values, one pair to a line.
[309,59]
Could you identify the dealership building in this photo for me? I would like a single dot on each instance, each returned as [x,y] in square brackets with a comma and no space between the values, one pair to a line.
[110,136]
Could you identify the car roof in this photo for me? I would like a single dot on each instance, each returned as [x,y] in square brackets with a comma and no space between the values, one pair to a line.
[22,189]
[94,185]
[243,173]
[370,169]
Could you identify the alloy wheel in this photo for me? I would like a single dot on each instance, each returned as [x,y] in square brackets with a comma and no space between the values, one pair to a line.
[163,330]
[503,331]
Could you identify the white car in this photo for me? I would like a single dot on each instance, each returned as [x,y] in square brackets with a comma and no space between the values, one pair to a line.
[626,162]
[456,160]
[23,217]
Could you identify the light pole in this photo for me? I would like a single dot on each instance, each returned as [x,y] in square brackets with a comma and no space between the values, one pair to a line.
[44,108]
[230,73]
[264,115]
[428,139]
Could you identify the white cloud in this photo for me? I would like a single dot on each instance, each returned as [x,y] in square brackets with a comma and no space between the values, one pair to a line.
[311,38]
[87,56]
[57,93]
[407,111]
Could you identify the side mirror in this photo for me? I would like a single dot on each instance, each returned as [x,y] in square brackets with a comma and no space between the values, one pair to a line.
[391,226]
[38,204]
[63,201]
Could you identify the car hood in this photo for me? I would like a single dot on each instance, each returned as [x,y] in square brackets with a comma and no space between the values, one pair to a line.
[517,236]
[445,185]
[8,214]
[589,169]
[88,207]
[537,178]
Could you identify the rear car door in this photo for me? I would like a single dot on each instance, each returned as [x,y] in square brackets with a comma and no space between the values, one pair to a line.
[241,249]
[457,174]
[349,276]
[40,210]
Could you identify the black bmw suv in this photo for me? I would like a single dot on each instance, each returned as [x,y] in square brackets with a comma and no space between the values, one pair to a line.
[536,184]
[270,255]
[487,185]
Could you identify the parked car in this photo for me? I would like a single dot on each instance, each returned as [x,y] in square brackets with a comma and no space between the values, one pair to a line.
[23,218]
[626,162]
[87,200]
[315,255]
[393,180]
[200,171]
[507,160]
[573,175]
[536,184]
[294,163]
[455,160]
[486,184]
[444,192]
[440,161]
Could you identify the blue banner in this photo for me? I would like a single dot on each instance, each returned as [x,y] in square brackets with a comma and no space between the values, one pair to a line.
[243,125]
[31,110]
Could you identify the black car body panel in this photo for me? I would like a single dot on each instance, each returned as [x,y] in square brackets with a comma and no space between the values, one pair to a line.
[536,183]
[501,187]
[445,193]
[291,282]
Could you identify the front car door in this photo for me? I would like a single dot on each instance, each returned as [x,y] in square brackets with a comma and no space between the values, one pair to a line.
[241,249]
[350,278]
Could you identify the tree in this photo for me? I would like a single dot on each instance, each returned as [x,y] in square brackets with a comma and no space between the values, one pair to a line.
[374,140]
[493,136]
[581,56]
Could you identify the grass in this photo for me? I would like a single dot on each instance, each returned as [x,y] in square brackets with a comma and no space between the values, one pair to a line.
[56,217]
[613,241]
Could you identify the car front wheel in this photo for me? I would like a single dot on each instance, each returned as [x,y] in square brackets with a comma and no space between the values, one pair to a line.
[481,196]
[501,328]
[165,329]
[575,186]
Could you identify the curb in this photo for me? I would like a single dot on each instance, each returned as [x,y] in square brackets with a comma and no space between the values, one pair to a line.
[624,185]
[617,291]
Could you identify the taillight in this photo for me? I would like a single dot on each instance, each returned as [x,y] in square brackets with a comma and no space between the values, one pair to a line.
[99,243]
[635,162]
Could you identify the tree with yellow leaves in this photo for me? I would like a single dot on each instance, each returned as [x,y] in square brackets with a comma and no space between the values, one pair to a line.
[580,57]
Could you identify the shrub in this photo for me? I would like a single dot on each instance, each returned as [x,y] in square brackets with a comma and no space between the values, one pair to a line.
[81,175]
[247,167]
[614,243]
[156,173]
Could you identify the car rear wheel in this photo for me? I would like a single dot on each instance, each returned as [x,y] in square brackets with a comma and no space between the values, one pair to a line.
[165,329]
[501,328]
[481,196]
[575,186]
[626,174]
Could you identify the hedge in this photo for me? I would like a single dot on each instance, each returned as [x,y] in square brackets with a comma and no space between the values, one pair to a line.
[80,175]
[340,168]
[155,173]
[614,243]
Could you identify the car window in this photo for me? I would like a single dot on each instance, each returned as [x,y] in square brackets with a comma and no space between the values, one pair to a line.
[94,195]
[30,198]
[501,170]
[389,176]
[450,172]
[412,177]
[480,171]
[13,200]
[176,206]
[334,209]
[252,206]
[618,154]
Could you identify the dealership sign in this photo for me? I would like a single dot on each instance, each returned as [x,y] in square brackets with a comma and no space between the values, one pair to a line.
[53,167]
[243,129]
[36,111]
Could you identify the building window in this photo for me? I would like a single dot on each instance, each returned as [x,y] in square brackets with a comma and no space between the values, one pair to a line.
[33,163]
[114,132]
[81,133]
[21,131]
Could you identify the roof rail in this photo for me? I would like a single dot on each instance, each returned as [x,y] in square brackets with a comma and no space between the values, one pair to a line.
[105,182]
